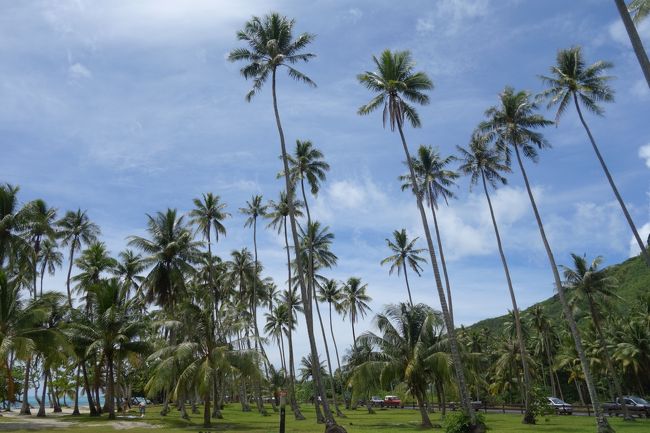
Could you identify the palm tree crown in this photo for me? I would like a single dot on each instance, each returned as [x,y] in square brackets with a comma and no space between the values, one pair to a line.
[405,253]
[432,176]
[396,86]
[270,46]
[307,163]
[482,160]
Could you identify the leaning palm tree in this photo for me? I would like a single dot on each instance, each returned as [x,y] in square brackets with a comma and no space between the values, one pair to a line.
[50,258]
[397,86]
[307,163]
[640,9]
[404,253]
[272,47]
[354,302]
[512,124]
[481,162]
[75,230]
[330,292]
[573,81]
[436,181]
[590,284]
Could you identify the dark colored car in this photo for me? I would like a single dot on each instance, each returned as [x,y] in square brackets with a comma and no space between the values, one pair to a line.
[635,406]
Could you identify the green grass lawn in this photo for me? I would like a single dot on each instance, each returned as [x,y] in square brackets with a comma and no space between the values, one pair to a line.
[392,420]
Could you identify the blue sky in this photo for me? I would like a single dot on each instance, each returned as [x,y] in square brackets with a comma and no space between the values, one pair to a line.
[125,108]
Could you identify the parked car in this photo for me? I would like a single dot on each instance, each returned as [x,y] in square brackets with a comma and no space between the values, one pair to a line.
[377,401]
[392,401]
[560,406]
[635,406]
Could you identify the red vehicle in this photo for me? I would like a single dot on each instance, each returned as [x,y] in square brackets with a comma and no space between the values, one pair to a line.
[392,401]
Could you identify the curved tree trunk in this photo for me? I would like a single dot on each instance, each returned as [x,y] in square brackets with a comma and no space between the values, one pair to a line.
[41,407]
[89,393]
[75,411]
[258,388]
[529,416]
[329,419]
[632,33]
[67,280]
[443,263]
[24,408]
[635,232]
[426,422]
[451,333]
[601,422]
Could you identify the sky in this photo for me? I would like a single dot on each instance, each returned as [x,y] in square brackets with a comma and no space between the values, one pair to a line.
[126,108]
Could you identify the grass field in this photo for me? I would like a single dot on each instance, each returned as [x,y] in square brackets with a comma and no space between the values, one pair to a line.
[393,420]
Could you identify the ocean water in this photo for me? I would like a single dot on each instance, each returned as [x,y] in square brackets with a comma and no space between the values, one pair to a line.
[83,400]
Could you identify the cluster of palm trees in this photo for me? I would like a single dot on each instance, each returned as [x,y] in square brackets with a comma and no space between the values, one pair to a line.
[186,320]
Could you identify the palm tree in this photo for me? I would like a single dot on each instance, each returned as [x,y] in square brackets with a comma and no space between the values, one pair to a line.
[128,270]
[272,46]
[75,230]
[541,323]
[209,213]
[292,300]
[435,180]
[640,9]
[409,351]
[39,225]
[170,252]
[276,322]
[404,253]
[572,80]
[484,163]
[11,224]
[50,259]
[330,292]
[513,123]
[93,263]
[307,162]
[354,302]
[396,85]
[592,285]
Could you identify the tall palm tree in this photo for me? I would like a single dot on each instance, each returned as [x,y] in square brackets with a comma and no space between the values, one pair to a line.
[410,351]
[640,9]
[354,302]
[291,299]
[93,262]
[128,270]
[397,86]
[513,123]
[170,252]
[208,213]
[405,254]
[573,81]
[50,259]
[541,323]
[435,180]
[307,162]
[272,47]
[11,224]
[481,162]
[590,284]
[275,326]
[330,292]
[75,230]
[39,225]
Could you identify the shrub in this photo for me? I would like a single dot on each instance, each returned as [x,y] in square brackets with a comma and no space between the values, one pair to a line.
[458,422]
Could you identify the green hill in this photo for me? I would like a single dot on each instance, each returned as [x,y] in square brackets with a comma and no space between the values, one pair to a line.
[633,277]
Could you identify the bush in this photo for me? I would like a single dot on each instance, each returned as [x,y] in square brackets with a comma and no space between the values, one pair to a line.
[458,422]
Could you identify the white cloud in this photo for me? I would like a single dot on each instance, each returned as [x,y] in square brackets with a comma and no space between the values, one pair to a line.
[618,33]
[644,153]
[451,16]
[355,14]
[78,71]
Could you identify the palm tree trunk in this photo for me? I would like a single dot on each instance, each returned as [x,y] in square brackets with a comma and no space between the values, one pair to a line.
[41,408]
[89,393]
[443,263]
[292,377]
[42,275]
[67,280]
[258,387]
[329,360]
[206,410]
[632,33]
[644,251]
[24,408]
[529,416]
[110,388]
[601,422]
[75,411]
[338,360]
[451,333]
[329,419]
[426,422]
[550,366]
[408,287]
[354,336]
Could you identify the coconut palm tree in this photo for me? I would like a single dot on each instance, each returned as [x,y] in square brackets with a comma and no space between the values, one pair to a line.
[275,326]
[513,123]
[128,270]
[11,224]
[272,47]
[640,9]
[405,254]
[93,262]
[75,230]
[481,162]
[409,351]
[39,225]
[330,292]
[307,162]
[573,81]
[208,213]
[170,252]
[397,86]
[291,299]
[541,323]
[589,284]
[50,259]
[435,180]
[354,302]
